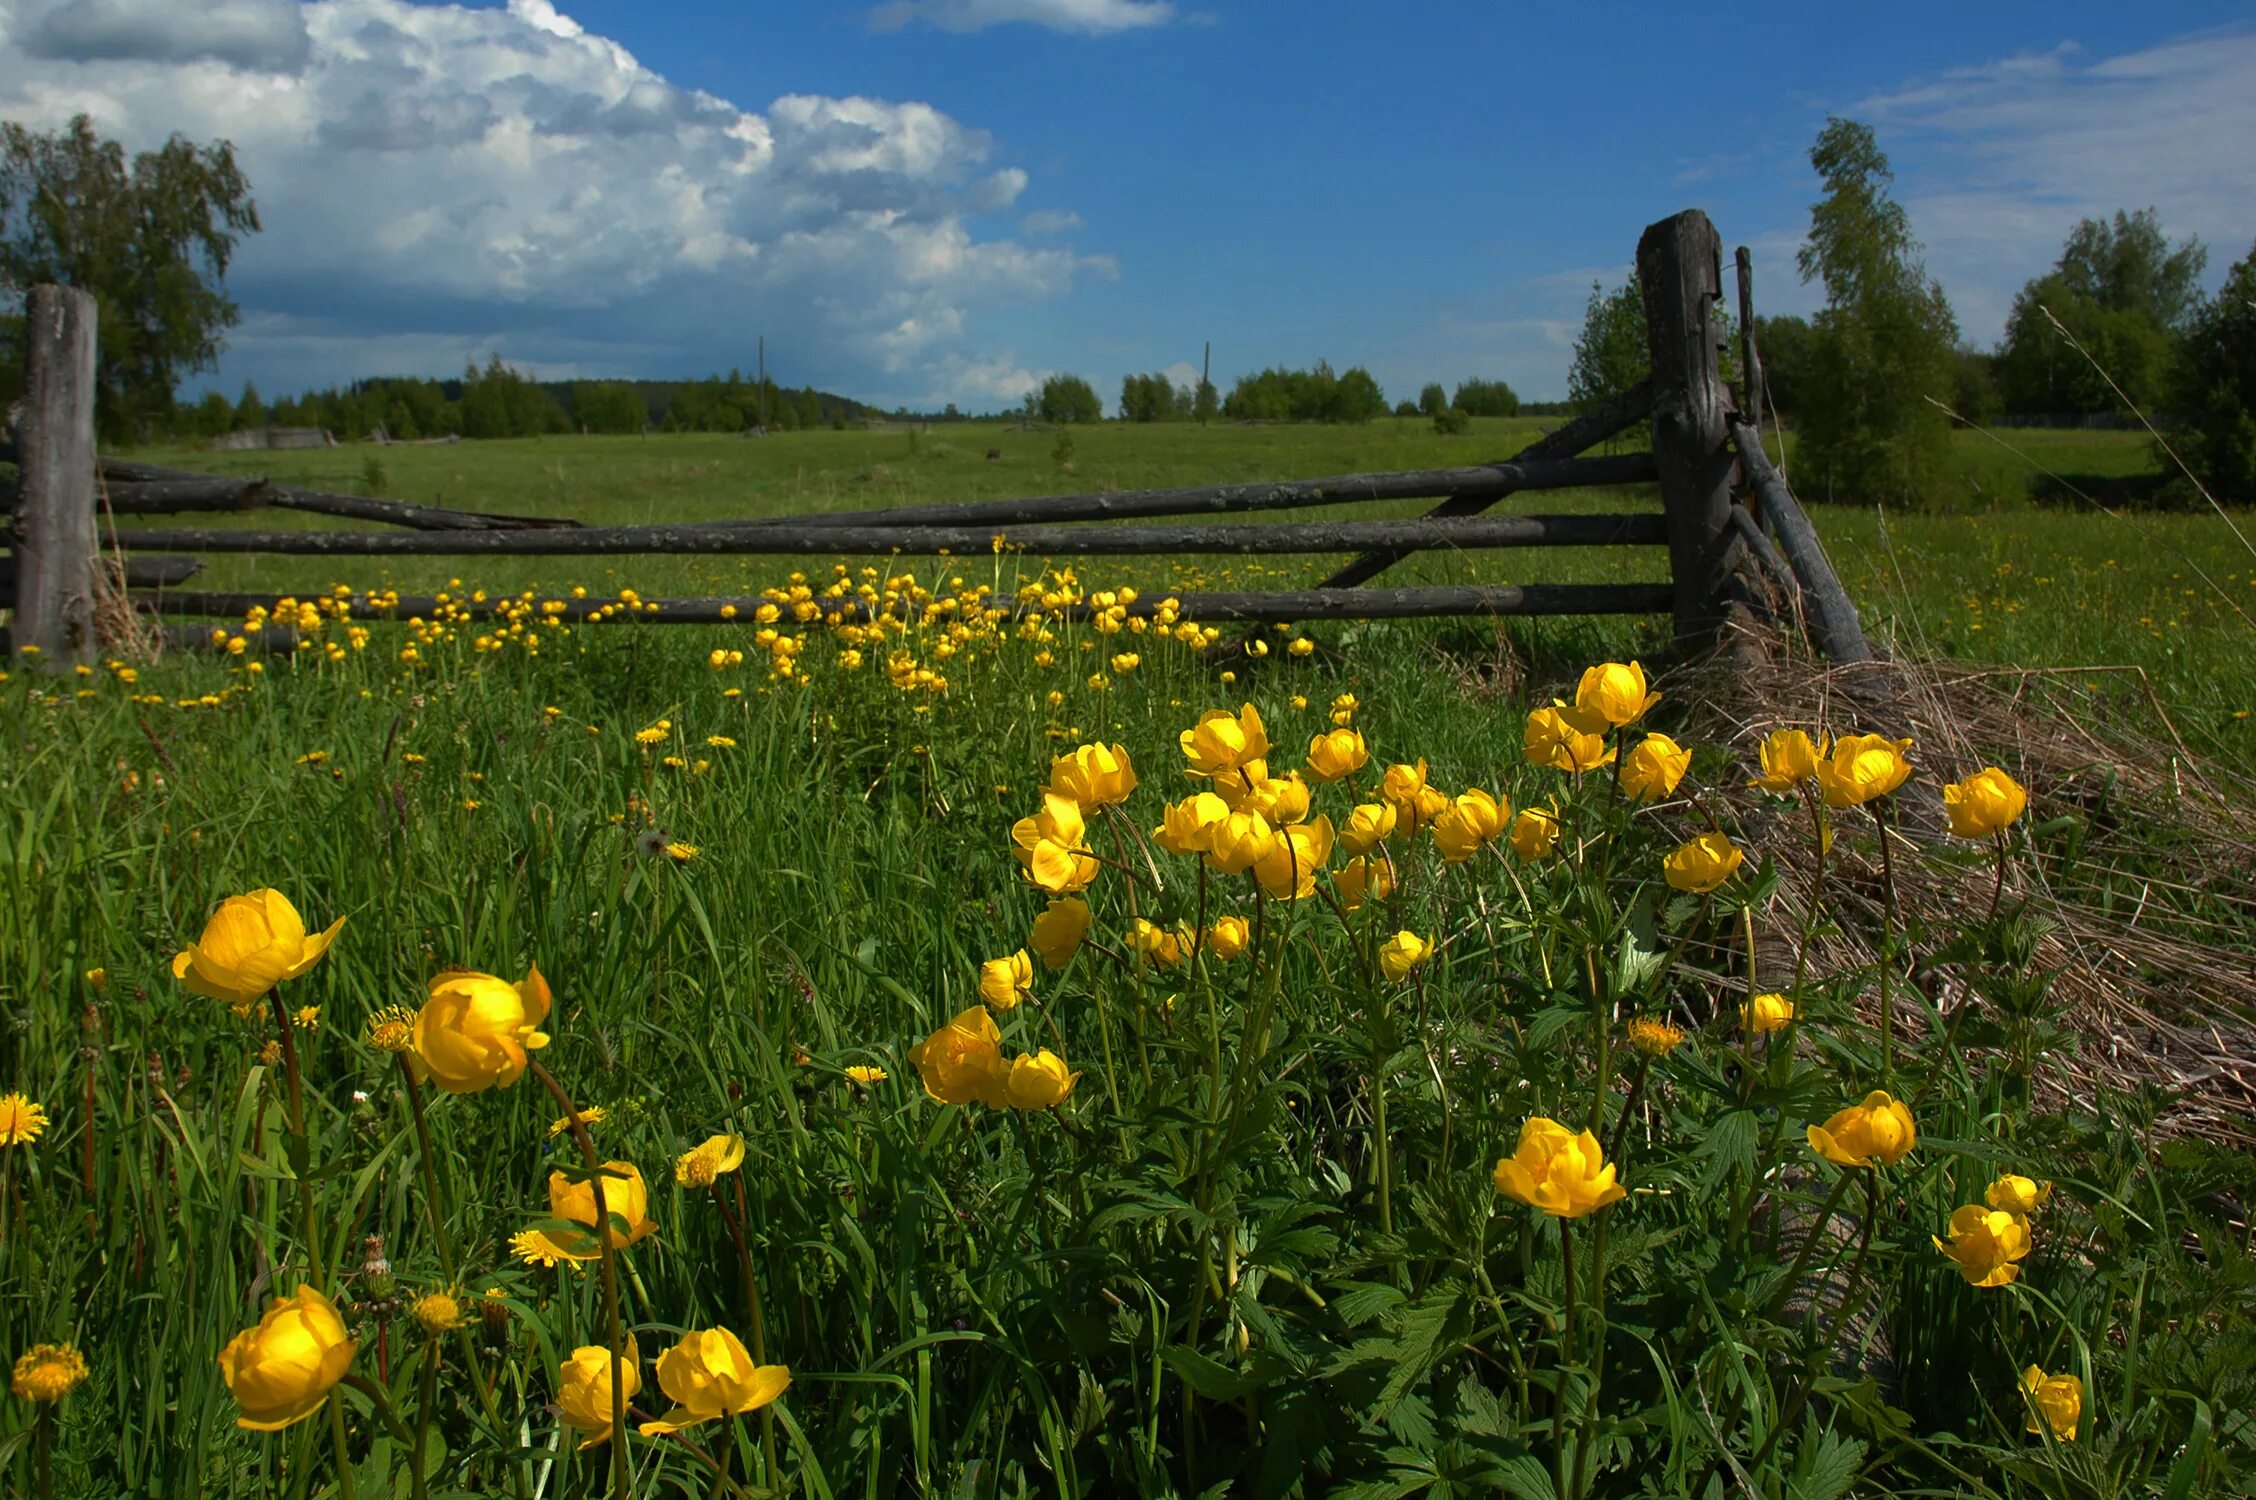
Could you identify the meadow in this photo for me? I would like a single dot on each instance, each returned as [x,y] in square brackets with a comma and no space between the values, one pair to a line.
[1024,1054]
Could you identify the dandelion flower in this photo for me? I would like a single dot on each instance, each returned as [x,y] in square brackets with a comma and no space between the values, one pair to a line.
[48,1372]
[391,1029]
[594,1114]
[21,1120]
[437,1312]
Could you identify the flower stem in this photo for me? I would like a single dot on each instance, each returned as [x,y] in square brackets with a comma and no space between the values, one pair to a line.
[618,1342]
[1566,1357]
[1887,949]
[426,1396]
[735,1222]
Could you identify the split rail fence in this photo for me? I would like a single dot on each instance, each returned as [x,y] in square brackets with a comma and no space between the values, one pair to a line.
[1703,448]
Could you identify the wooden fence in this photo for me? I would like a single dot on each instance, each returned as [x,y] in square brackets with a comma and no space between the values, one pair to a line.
[1702,450]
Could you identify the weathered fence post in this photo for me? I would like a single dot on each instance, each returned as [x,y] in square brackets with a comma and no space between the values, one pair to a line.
[1680,272]
[54,540]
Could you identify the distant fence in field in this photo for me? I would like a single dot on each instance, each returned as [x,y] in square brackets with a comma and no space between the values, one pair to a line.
[1722,553]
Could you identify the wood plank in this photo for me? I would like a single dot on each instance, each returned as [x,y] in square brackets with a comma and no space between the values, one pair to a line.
[54,533]
[1833,621]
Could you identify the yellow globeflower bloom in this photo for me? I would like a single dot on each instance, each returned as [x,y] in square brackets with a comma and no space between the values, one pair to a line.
[1158,946]
[251,944]
[1862,767]
[1616,693]
[1652,770]
[1984,804]
[1563,1173]
[1341,752]
[1761,1014]
[1052,847]
[2017,1195]
[1405,951]
[1003,982]
[1228,937]
[1567,739]
[1288,871]
[1878,1130]
[1986,1243]
[1238,788]
[962,1061]
[1703,864]
[283,1369]
[1240,841]
[21,1120]
[1788,759]
[1039,1082]
[1535,832]
[1058,931]
[709,1376]
[626,1199]
[1468,822]
[1367,827]
[583,1390]
[2055,1401]
[1363,879]
[1400,785]
[474,1031]
[705,1162]
[1187,827]
[47,1372]
[1222,741]
[1093,775]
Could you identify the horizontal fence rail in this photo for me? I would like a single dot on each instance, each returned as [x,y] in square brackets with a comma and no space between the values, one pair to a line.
[1278,607]
[878,541]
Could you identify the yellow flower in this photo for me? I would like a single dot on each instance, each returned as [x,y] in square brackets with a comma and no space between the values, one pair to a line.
[1534,833]
[1654,1038]
[1652,770]
[1567,739]
[1039,1082]
[391,1029]
[1400,786]
[1239,842]
[1280,799]
[48,1372]
[1301,646]
[1187,827]
[866,1075]
[1788,760]
[1058,931]
[709,1376]
[1468,822]
[1405,951]
[626,1200]
[2055,1401]
[308,1018]
[1984,804]
[2017,1195]
[680,853]
[1003,982]
[1093,775]
[474,1031]
[583,1390]
[1703,864]
[1288,871]
[707,1161]
[283,1369]
[1157,945]
[1564,1174]
[1878,1130]
[1370,824]
[592,1116]
[1222,741]
[1363,878]
[270,1055]
[1761,1014]
[1052,847]
[537,1249]
[437,1312]
[251,944]
[1616,693]
[1228,937]
[98,977]
[21,1120]
[1338,753]
[1861,767]
[962,1061]
[1986,1243]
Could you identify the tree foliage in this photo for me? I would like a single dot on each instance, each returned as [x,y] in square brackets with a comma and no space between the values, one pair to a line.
[149,240]
[1486,398]
[1884,343]
[1068,398]
[1154,398]
[1316,394]
[1611,353]
[2123,292]
[1432,399]
[2213,387]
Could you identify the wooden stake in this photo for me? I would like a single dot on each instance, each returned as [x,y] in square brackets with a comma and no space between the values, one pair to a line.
[54,540]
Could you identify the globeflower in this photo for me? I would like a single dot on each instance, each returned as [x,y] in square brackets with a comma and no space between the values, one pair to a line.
[1059,930]
[1615,692]
[1228,937]
[1187,827]
[1652,770]
[1788,760]
[251,944]
[962,1061]
[626,1200]
[1288,871]
[1567,739]
[1762,1014]
[1341,752]
[1535,832]
[2017,1195]
[1039,1082]
[709,1376]
[474,1031]
[1405,951]
[1563,1173]
[1986,1243]
[1159,947]
[1052,847]
[1239,842]
[1003,982]
[2055,1401]
[1370,824]
[1879,1130]
[1221,741]
[584,1390]
[1703,864]
[1862,767]
[1402,788]
[1282,800]
[1984,804]
[281,1370]
[1093,775]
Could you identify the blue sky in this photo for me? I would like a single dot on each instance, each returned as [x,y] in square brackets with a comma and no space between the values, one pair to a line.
[934,200]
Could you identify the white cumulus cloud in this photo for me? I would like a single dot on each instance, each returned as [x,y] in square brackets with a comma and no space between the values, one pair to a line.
[1088,17]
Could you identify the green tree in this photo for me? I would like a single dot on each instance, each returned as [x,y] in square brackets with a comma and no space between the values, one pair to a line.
[149,240]
[1432,399]
[1486,398]
[2123,292]
[1611,353]
[1784,345]
[1206,401]
[1883,344]
[609,406]
[2213,387]
[250,411]
[1069,398]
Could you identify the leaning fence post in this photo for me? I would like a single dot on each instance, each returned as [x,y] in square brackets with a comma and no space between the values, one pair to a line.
[1680,273]
[54,540]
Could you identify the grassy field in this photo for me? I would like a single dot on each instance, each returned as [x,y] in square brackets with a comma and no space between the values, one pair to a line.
[1270,1181]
